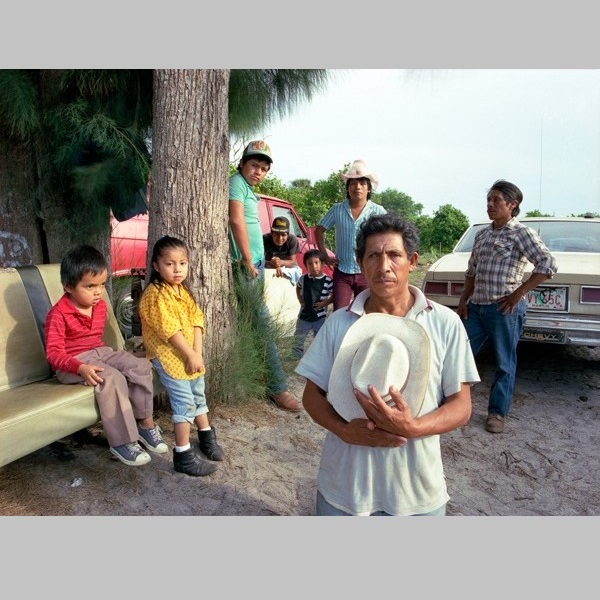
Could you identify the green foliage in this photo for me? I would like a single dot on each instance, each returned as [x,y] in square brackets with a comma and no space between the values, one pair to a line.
[259,96]
[246,367]
[86,130]
[19,116]
[441,233]
[399,203]
[537,213]
[272,186]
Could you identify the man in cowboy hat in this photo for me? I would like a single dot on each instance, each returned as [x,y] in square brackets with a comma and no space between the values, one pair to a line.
[385,378]
[346,217]
[248,253]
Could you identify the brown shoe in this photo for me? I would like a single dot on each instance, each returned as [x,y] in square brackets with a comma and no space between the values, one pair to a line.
[494,423]
[285,401]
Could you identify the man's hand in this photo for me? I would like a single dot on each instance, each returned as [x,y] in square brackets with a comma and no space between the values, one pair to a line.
[362,432]
[396,419]
[331,261]
[508,303]
[251,270]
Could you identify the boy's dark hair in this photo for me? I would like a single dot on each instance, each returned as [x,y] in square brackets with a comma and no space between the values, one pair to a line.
[510,192]
[311,254]
[384,224]
[80,261]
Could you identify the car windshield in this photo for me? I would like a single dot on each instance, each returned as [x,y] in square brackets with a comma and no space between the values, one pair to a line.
[281,211]
[559,236]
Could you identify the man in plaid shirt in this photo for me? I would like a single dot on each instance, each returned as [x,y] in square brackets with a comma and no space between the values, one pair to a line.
[492,304]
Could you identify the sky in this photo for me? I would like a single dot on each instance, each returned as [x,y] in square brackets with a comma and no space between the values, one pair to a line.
[443,136]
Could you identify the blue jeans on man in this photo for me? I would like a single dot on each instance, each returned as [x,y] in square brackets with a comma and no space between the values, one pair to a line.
[485,322]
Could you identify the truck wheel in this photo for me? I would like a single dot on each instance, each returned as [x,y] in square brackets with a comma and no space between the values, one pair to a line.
[123,307]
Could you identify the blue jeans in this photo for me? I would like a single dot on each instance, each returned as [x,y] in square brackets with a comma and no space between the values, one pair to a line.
[485,322]
[324,509]
[276,380]
[303,328]
[186,396]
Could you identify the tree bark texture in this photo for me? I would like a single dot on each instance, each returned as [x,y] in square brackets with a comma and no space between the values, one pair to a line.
[189,193]
[20,242]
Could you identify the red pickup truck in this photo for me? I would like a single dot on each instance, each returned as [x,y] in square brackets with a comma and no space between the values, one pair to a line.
[128,257]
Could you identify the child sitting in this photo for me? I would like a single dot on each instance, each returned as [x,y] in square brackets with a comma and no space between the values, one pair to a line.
[75,351]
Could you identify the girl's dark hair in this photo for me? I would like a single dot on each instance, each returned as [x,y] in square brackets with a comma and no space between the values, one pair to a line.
[369,185]
[510,192]
[311,254]
[80,261]
[166,242]
[384,224]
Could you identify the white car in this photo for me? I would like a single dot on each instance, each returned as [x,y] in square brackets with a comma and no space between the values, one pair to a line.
[564,309]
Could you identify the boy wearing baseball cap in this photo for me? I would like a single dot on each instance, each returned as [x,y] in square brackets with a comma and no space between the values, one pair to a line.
[281,248]
[247,252]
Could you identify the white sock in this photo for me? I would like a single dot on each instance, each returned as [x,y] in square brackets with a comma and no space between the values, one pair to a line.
[183,448]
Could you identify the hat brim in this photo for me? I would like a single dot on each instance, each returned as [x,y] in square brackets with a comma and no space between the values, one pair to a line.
[372,178]
[341,392]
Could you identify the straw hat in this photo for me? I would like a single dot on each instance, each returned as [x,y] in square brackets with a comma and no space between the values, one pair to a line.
[358,170]
[381,350]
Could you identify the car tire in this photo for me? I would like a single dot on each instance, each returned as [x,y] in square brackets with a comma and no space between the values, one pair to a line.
[123,307]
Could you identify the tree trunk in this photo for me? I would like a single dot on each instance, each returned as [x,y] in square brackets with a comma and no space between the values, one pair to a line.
[19,236]
[189,194]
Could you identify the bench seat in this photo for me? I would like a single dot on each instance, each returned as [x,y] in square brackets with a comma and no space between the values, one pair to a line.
[35,408]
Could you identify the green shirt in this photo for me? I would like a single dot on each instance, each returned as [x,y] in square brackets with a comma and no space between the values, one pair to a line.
[240,191]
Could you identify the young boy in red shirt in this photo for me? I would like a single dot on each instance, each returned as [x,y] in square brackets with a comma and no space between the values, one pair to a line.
[75,351]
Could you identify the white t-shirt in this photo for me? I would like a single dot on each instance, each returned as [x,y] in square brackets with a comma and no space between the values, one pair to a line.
[400,481]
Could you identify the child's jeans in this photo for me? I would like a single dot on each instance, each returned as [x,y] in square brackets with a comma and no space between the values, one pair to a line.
[186,396]
[303,328]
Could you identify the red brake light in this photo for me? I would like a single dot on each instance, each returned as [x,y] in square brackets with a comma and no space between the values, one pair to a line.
[436,287]
[456,289]
[590,295]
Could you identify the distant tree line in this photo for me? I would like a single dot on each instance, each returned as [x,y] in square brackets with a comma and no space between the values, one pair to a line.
[439,232]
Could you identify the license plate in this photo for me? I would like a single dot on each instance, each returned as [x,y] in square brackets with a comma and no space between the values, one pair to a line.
[543,335]
[547,298]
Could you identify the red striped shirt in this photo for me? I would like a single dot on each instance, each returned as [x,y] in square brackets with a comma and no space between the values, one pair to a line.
[69,332]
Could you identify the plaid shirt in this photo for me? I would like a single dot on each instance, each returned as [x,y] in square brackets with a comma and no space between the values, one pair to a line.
[499,257]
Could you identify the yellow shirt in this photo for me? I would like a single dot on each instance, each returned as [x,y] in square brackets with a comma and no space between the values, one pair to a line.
[163,313]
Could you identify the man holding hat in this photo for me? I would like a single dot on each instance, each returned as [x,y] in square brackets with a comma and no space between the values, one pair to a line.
[248,254]
[281,248]
[385,378]
[346,217]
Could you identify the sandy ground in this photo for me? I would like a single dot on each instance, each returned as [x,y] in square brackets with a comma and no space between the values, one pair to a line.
[544,464]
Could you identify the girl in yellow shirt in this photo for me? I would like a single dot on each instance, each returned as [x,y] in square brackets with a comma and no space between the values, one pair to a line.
[172,328]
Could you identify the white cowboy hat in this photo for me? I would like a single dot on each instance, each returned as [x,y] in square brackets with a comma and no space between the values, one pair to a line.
[359,169]
[381,350]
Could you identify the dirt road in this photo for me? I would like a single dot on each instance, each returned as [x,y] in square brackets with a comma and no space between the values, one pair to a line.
[544,464]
